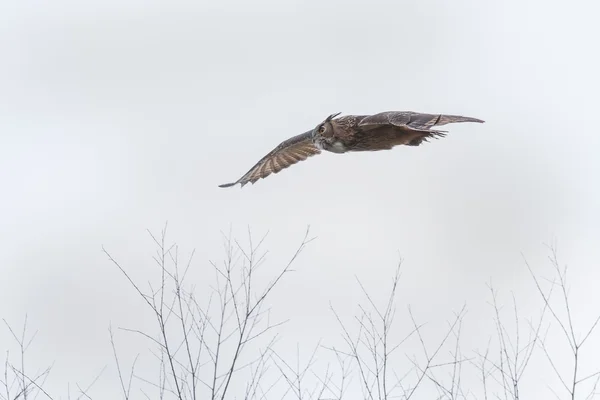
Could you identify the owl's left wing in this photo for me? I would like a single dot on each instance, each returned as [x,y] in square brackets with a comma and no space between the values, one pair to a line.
[287,153]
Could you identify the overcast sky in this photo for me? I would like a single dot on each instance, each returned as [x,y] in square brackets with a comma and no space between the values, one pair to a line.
[118,116]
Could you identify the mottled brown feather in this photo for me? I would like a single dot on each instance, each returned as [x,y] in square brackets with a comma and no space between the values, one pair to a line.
[287,153]
[412,120]
[387,129]
[386,137]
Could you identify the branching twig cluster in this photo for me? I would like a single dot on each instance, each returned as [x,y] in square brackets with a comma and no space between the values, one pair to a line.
[200,347]
[372,347]
[501,375]
[572,380]
[16,381]
[502,370]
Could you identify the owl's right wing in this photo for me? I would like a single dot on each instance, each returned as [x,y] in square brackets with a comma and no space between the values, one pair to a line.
[287,153]
[412,120]
[392,128]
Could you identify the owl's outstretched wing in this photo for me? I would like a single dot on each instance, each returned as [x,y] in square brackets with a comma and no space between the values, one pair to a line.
[289,152]
[391,128]
[412,120]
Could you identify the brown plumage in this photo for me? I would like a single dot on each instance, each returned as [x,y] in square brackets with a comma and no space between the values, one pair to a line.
[376,132]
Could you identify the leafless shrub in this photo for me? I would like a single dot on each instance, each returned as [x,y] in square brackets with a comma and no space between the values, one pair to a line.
[572,380]
[16,381]
[501,376]
[502,370]
[371,349]
[201,347]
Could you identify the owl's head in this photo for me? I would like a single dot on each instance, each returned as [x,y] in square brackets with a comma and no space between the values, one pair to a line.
[324,129]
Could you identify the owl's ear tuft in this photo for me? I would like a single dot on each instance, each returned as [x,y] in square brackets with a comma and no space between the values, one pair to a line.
[332,116]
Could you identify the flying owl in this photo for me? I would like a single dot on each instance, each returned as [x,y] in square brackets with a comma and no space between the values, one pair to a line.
[375,132]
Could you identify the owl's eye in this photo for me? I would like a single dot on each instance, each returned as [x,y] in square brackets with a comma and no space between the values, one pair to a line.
[321,128]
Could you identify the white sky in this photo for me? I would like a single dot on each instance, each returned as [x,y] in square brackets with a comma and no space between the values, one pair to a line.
[118,116]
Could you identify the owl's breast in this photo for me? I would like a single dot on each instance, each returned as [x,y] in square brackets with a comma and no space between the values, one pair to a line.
[331,145]
[337,147]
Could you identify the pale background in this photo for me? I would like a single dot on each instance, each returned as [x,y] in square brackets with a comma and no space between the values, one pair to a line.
[117,116]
